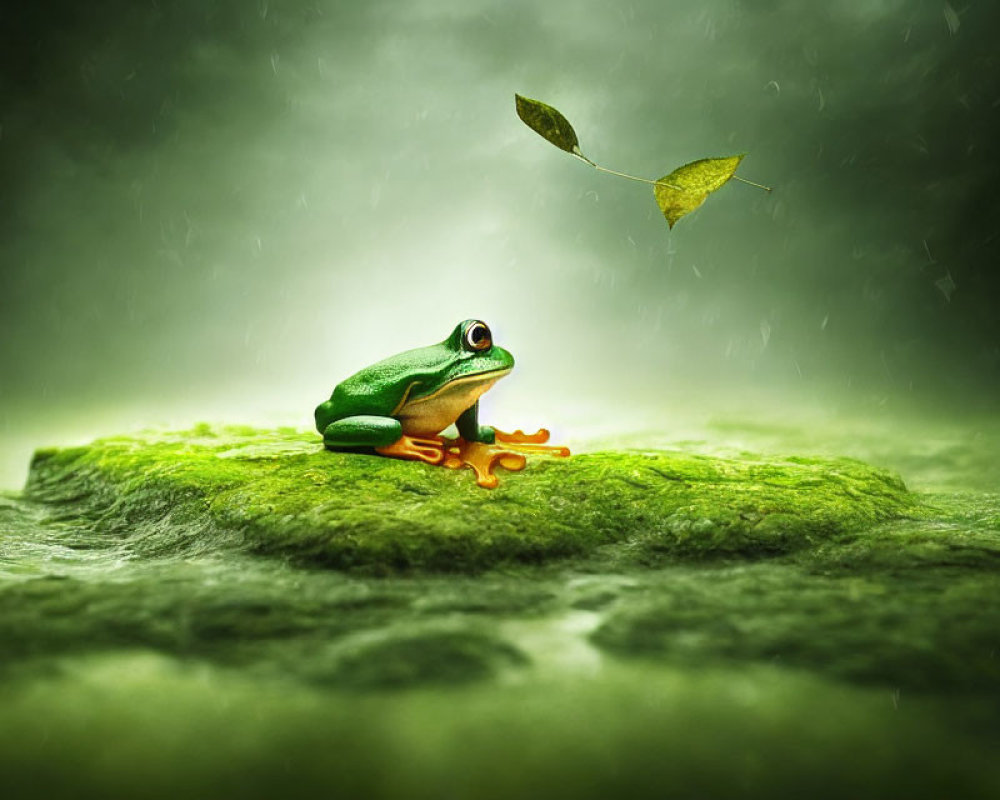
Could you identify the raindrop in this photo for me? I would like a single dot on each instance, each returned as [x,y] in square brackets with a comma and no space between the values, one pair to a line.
[946,285]
[951,19]
[927,249]
[885,366]
[765,332]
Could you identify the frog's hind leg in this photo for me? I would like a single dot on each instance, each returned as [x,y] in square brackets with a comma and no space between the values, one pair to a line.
[385,434]
[362,431]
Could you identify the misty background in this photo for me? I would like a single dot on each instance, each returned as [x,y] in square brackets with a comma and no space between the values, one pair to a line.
[218,210]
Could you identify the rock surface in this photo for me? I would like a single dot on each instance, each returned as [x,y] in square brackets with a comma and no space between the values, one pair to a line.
[641,624]
[280,492]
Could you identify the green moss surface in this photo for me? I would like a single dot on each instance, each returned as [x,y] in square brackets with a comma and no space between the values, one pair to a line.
[931,628]
[280,492]
[641,624]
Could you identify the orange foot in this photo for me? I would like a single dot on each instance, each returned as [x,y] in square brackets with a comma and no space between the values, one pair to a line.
[485,458]
[430,449]
[531,442]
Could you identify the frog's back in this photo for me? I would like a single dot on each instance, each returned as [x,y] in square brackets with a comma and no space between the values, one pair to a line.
[379,389]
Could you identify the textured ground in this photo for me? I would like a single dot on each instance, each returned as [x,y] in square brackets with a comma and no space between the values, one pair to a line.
[223,612]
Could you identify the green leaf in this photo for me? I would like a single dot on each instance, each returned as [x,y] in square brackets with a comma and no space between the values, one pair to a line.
[686,188]
[548,123]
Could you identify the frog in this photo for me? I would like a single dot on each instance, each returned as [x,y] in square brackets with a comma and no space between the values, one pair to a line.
[399,407]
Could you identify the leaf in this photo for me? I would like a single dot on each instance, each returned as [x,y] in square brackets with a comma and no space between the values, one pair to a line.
[548,123]
[686,188]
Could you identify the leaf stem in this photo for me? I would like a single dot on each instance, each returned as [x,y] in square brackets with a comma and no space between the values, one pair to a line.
[751,183]
[596,166]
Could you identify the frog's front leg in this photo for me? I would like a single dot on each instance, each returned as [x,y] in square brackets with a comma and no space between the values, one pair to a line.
[385,435]
[470,429]
[484,448]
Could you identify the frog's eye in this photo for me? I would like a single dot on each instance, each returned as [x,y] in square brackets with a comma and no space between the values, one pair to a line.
[478,337]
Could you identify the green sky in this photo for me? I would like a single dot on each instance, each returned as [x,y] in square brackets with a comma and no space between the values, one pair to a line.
[217,210]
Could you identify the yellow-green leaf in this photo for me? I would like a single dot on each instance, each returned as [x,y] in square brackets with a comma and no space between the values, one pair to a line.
[686,188]
[548,123]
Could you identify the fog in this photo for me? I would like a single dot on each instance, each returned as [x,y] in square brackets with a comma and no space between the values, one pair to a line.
[218,210]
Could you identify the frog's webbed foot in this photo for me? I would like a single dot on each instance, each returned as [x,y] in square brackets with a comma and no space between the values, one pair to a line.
[428,449]
[508,452]
[484,459]
[530,442]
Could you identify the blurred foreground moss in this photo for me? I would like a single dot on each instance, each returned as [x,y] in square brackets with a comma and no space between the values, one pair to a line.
[138,724]
[280,492]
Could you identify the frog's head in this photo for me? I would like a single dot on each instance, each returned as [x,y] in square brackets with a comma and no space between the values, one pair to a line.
[473,352]
[465,364]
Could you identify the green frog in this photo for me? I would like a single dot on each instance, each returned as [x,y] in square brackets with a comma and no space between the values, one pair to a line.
[399,406]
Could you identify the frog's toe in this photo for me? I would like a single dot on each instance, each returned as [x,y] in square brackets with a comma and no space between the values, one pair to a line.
[557,451]
[530,442]
[541,436]
[483,459]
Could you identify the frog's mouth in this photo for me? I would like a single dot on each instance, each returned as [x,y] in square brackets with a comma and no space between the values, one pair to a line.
[467,384]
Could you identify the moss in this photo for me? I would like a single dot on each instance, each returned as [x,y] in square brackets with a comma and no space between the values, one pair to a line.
[136,724]
[228,612]
[926,629]
[424,658]
[281,493]
[149,648]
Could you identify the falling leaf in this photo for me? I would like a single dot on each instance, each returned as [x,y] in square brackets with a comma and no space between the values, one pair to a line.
[548,123]
[677,194]
[686,188]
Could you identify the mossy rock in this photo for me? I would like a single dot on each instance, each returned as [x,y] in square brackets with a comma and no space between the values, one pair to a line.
[280,493]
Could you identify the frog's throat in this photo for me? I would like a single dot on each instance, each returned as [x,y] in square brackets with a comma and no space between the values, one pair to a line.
[478,377]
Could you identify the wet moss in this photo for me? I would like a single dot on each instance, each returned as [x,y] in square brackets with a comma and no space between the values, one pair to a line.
[616,608]
[424,658]
[139,724]
[280,493]
[230,613]
[927,629]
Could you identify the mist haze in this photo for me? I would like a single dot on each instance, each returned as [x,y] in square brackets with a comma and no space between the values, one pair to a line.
[219,210]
